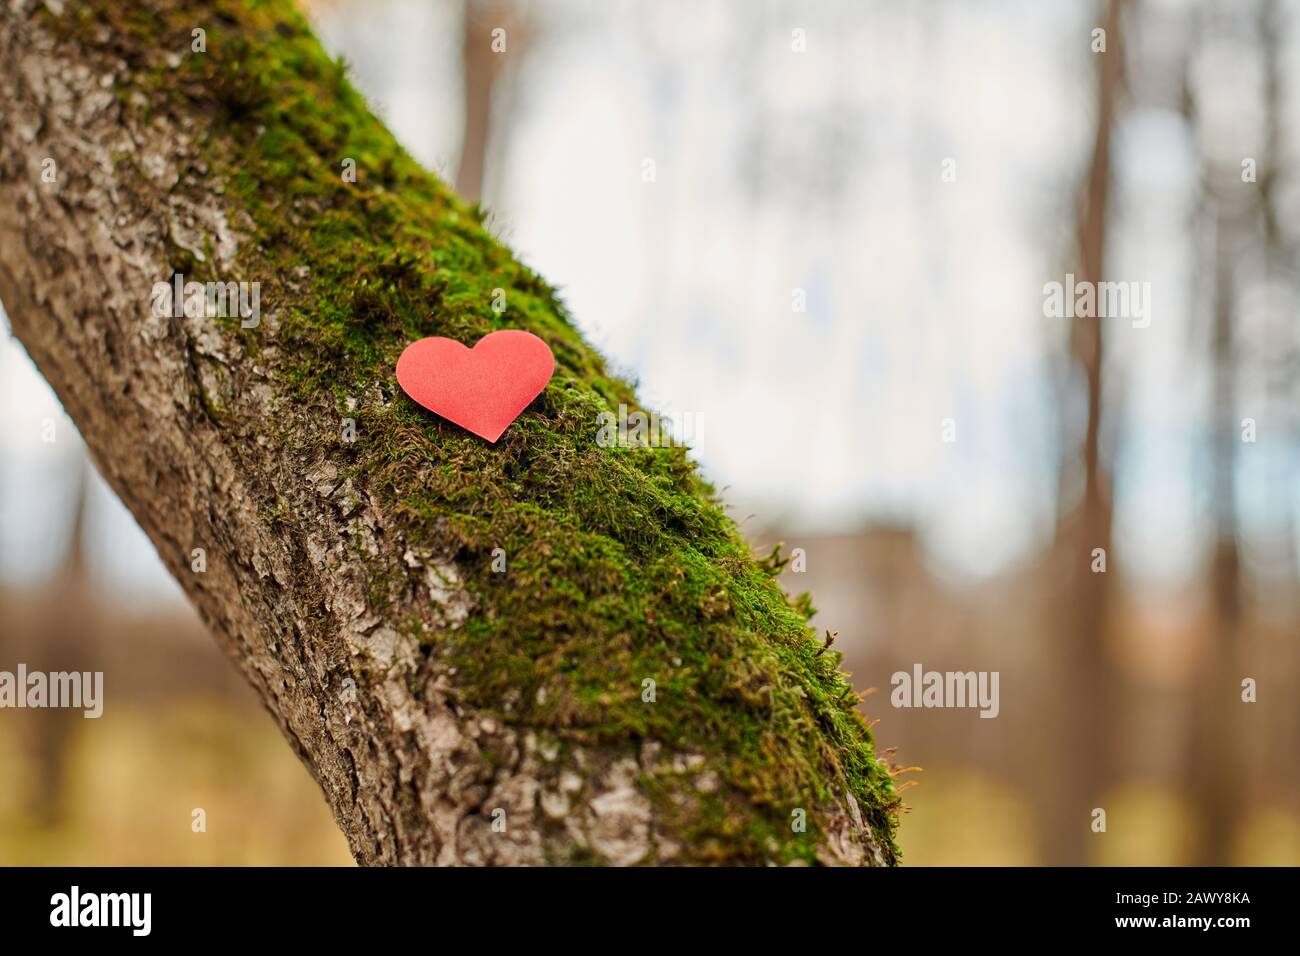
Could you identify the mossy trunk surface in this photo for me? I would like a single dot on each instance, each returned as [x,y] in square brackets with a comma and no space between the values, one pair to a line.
[452,713]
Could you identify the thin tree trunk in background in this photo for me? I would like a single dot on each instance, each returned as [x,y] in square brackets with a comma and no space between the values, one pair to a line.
[482,69]
[1211,755]
[1215,706]
[66,620]
[1283,392]
[1086,718]
[1242,218]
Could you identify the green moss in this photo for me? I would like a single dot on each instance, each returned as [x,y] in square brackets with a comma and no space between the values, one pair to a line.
[622,565]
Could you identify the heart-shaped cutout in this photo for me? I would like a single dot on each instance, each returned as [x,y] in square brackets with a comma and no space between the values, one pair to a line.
[482,389]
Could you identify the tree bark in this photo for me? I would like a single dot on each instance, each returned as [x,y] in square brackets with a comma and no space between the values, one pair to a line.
[633,688]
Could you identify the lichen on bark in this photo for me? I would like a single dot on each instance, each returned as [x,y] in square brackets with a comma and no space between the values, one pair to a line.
[436,699]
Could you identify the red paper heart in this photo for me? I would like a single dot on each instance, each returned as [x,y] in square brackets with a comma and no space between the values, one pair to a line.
[482,389]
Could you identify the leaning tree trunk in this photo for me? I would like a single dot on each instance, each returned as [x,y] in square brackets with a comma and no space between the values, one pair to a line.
[633,687]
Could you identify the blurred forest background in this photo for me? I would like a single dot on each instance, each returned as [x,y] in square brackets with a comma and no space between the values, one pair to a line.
[911,175]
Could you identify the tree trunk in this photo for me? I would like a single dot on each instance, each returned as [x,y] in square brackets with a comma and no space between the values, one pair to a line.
[633,687]
[482,69]
[1085,718]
